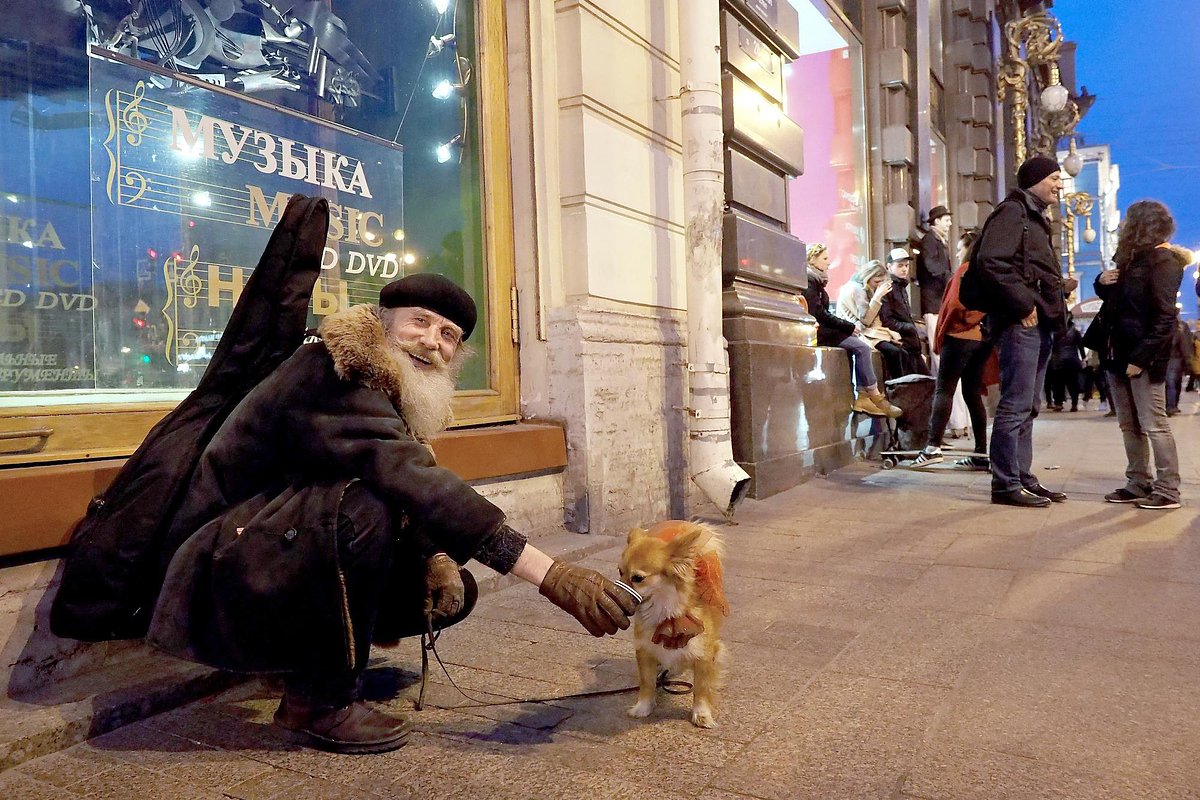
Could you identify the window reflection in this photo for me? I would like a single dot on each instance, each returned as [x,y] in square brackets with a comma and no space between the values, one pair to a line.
[824,89]
[98,240]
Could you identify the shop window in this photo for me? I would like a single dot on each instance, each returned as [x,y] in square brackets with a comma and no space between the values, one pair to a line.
[824,93]
[148,156]
[939,171]
[937,38]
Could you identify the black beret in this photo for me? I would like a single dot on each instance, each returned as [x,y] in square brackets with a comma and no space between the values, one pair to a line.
[434,292]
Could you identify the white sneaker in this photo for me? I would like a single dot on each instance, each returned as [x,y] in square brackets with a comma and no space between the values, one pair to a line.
[930,455]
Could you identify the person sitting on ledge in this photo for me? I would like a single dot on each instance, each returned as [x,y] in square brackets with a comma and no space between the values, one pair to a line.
[896,313]
[833,331]
[871,279]
[317,521]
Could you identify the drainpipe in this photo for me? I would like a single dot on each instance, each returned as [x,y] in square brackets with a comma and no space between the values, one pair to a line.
[710,450]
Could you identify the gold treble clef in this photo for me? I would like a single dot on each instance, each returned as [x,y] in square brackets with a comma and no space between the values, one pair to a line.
[132,117]
[189,282]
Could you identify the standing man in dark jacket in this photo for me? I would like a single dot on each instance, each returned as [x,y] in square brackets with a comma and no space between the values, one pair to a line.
[896,313]
[317,521]
[933,264]
[1020,274]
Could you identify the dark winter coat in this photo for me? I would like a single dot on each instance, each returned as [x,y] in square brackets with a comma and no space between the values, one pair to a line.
[896,313]
[255,584]
[1015,268]
[1068,349]
[1139,313]
[831,329]
[113,569]
[933,272]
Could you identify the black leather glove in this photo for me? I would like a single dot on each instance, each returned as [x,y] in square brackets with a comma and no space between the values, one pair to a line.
[599,604]
[444,591]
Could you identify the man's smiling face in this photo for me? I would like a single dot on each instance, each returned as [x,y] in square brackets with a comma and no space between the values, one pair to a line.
[430,339]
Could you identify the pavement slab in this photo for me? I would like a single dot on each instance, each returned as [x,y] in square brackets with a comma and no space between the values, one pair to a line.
[893,635]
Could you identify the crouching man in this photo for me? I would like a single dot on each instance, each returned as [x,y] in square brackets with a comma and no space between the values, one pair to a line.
[317,521]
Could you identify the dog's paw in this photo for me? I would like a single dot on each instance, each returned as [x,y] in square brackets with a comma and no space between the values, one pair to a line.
[641,709]
[702,717]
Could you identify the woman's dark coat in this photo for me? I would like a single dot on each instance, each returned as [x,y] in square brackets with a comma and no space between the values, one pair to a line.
[831,329]
[1139,313]
[255,584]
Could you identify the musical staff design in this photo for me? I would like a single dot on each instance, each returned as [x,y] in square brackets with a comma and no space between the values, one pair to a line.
[205,171]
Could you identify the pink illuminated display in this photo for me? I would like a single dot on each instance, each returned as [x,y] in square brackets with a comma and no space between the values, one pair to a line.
[828,203]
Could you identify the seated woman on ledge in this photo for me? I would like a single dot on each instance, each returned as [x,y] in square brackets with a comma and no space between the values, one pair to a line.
[872,281]
[833,331]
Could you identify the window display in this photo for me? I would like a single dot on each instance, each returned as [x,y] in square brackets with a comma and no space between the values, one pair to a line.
[151,146]
[824,91]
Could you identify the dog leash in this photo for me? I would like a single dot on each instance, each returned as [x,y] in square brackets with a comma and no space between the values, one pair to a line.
[429,645]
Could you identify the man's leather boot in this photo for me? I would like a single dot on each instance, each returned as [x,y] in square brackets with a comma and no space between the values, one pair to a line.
[354,728]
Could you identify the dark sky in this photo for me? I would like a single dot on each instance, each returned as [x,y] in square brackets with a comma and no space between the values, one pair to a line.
[1142,58]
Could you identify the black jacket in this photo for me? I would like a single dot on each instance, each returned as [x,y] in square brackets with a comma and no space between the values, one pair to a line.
[1016,267]
[1139,312]
[831,329]
[933,272]
[114,568]
[1068,349]
[272,597]
[896,313]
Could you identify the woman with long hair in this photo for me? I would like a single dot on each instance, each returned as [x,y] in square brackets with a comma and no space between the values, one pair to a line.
[859,300]
[1134,340]
[834,331]
[964,354]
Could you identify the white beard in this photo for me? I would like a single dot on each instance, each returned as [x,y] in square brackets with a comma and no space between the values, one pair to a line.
[425,395]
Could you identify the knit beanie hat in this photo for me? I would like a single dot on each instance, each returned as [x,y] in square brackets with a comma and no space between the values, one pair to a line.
[1035,170]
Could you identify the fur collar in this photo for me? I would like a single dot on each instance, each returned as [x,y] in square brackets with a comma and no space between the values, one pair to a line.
[356,342]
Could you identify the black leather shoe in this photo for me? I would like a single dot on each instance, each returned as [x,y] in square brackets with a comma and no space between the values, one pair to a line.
[1042,491]
[1020,498]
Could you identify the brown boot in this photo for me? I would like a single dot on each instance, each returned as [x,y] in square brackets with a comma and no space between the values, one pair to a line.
[354,728]
[881,402]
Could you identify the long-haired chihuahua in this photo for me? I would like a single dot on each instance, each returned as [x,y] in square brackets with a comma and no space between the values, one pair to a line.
[676,567]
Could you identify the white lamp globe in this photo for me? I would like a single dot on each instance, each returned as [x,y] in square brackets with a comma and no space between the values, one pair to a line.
[1089,235]
[1054,98]
[1072,164]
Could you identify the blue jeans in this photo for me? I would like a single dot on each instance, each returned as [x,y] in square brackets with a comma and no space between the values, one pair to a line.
[860,351]
[1024,354]
[1142,414]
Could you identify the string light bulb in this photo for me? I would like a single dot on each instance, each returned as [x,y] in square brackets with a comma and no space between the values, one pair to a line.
[446,150]
[439,43]
[443,89]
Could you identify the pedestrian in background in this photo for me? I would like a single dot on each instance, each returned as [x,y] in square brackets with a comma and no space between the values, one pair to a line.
[1135,336]
[1016,277]
[1067,360]
[965,352]
[1179,365]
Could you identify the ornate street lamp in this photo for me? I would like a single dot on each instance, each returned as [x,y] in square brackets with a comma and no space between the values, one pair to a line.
[1077,204]
[1031,40]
